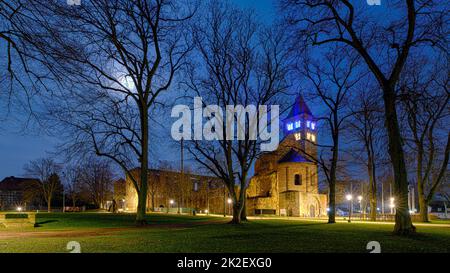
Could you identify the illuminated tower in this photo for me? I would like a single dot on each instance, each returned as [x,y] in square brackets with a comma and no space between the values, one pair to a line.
[301,126]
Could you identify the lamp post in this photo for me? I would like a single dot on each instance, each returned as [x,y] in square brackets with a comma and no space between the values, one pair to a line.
[350,202]
[360,198]
[171,203]
[229,201]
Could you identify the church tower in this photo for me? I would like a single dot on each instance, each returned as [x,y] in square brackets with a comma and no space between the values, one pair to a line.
[301,126]
[286,180]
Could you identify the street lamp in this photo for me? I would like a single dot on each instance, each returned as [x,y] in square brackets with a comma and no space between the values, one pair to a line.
[360,198]
[349,198]
[19,208]
[392,205]
[171,202]
[229,201]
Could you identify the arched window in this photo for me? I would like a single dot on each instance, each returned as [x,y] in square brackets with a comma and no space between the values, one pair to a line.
[298,180]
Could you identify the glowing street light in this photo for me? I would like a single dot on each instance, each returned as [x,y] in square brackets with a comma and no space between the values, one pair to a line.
[392,205]
[360,198]
[171,202]
[349,198]
[19,208]
[229,201]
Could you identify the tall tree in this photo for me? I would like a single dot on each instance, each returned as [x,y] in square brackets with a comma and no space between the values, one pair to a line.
[46,171]
[235,66]
[384,45]
[111,61]
[71,177]
[425,96]
[96,179]
[333,77]
[365,129]
[16,73]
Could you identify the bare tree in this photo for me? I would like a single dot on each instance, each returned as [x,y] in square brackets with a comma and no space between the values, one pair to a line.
[46,171]
[16,73]
[235,65]
[333,78]
[96,179]
[8,35]
[384,45]
[425,97]
[366,130]
[111,61]
[71,175]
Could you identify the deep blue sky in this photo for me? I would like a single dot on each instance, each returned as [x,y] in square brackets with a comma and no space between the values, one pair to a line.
[19,146]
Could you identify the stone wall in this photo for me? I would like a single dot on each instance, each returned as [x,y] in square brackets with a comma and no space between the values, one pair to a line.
[307,172]
[290,203]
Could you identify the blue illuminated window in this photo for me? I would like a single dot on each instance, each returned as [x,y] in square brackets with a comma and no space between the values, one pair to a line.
[290,126]
[313,125]
[308,124]
[297,124]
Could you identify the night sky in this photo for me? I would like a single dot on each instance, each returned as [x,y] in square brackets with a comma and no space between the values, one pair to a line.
[20,144]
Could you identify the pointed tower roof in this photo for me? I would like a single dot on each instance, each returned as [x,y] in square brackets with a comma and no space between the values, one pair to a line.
[299,107]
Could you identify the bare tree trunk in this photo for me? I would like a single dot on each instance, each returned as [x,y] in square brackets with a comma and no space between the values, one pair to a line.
[332,202]
[142,198]
[244,210]
[373,189]
[237,210]
[403,224]
[332,178]
[423,206]
[49,204]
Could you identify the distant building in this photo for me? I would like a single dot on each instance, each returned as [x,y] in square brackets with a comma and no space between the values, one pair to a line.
[171,191]
[120,193]
[19,192]
[286,180]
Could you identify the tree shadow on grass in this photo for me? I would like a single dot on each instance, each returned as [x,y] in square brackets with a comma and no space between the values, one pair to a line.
[39,224]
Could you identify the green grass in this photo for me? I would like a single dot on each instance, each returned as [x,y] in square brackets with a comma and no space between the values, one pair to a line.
[175,233]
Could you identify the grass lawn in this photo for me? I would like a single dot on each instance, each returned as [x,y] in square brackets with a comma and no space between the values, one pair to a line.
[101,232]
